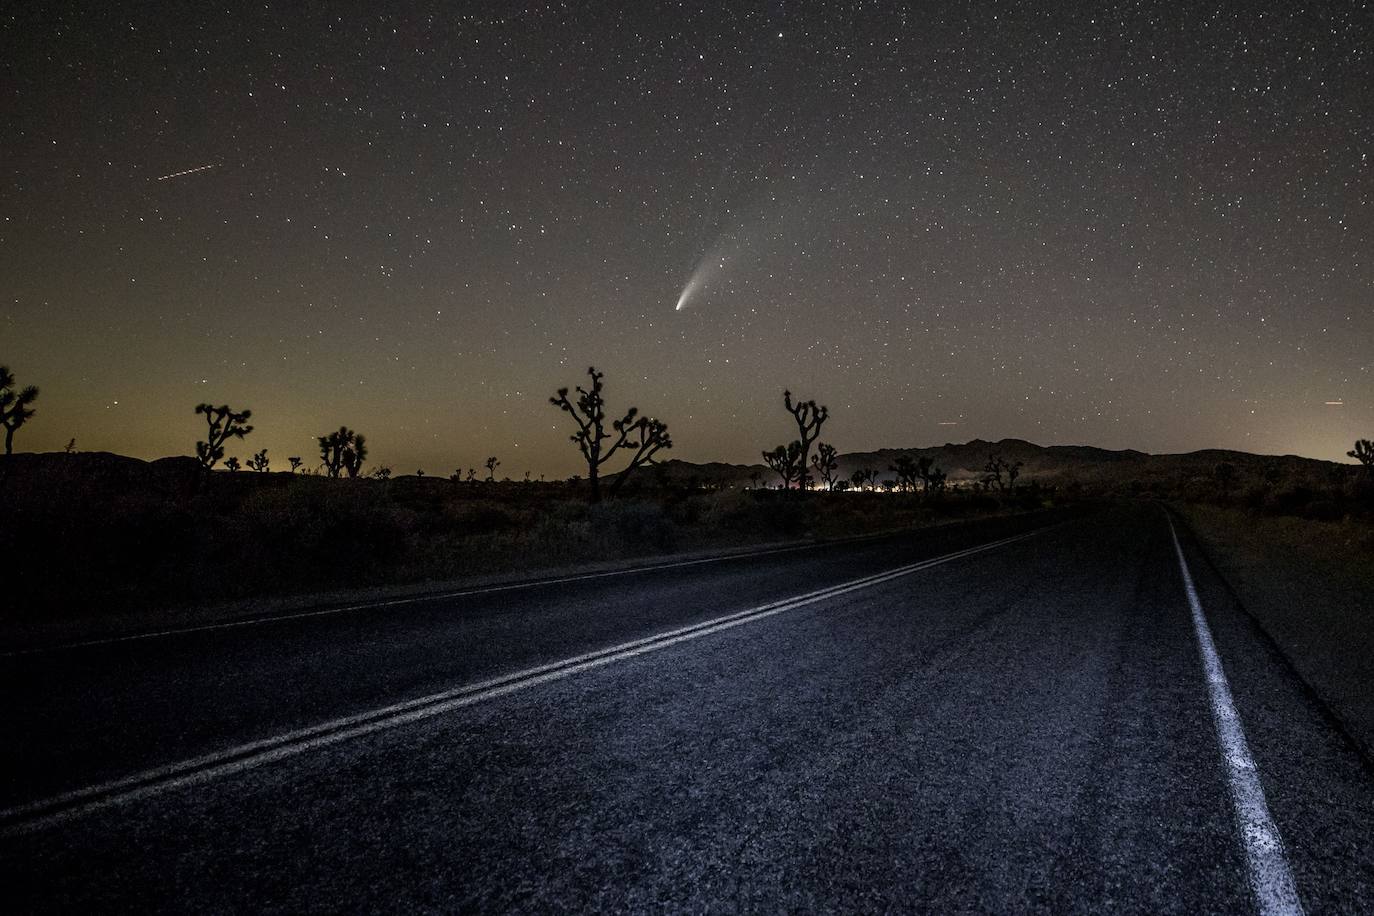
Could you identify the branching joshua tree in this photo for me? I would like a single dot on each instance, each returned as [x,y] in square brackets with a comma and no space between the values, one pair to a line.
[341,452]
[994,470]
[642,437]
[809,419]
[924,466]
[906,470]
[14,406]
[233,464]
[1363,452]
[295,463]
[491,465]
[259,461]
[786,461]
[864,478]
[354,455]
[826,464]
[224,424]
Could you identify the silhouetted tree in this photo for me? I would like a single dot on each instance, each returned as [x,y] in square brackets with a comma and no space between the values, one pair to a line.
[1363,452]
[809,419]
[994,470]
[826,464]
[419,472]
[491,465]
[14,406]
[644,436]
[354,454]
[786,461]
[905,469]
[232,464]
[472,475]
[259,461]
[224,424]
[864,478]
[340,451]
[937,480]
[1013,472]
[924,465]
[295,463]
[71,446]
[382,472]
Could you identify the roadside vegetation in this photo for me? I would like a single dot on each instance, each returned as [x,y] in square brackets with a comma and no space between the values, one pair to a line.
[90,533]
[93,533]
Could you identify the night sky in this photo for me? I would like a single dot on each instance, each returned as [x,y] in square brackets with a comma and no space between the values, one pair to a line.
[1133,226]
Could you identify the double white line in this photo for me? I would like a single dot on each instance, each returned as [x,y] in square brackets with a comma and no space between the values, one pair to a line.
[198,770]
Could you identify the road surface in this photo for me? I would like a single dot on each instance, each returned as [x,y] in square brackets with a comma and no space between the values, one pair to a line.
[1015,715]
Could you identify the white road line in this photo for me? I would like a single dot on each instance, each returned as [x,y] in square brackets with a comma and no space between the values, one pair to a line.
[68,805]
[1270,877]
[412,599]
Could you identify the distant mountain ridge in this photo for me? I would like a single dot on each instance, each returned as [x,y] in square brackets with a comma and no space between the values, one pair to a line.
[965,462]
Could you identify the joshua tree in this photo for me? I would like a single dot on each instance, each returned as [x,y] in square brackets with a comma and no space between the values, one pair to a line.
[354,454]
[232,464]
[825,464]
[1363,452]
[786,460]
[295,463]
[642,436]
[491,465]
[924,465]
[71,446]
[905,469]
[14,406]
[224,424]
[809,419]
[342,451]
[472,475]
[994,469]
[864,478]
[937,481]
[259,461]
[1013,472]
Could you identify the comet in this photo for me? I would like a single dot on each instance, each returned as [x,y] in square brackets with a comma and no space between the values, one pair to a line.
[199,168]
[707,270]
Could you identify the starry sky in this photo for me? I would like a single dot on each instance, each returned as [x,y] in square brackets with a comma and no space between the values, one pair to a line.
[1136,225]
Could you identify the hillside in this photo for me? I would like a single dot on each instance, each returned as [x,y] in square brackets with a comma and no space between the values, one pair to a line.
[1082,464]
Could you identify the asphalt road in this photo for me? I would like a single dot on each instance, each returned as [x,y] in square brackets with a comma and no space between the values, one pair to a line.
[1005,716]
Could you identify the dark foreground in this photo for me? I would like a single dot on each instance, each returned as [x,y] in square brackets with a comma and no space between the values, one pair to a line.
[1025,727]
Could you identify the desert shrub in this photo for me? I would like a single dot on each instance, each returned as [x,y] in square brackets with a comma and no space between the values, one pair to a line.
[633,526]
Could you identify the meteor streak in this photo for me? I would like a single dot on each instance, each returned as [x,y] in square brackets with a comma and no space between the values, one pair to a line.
[199,168]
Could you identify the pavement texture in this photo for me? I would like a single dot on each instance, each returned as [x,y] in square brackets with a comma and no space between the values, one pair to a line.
[1025,728]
